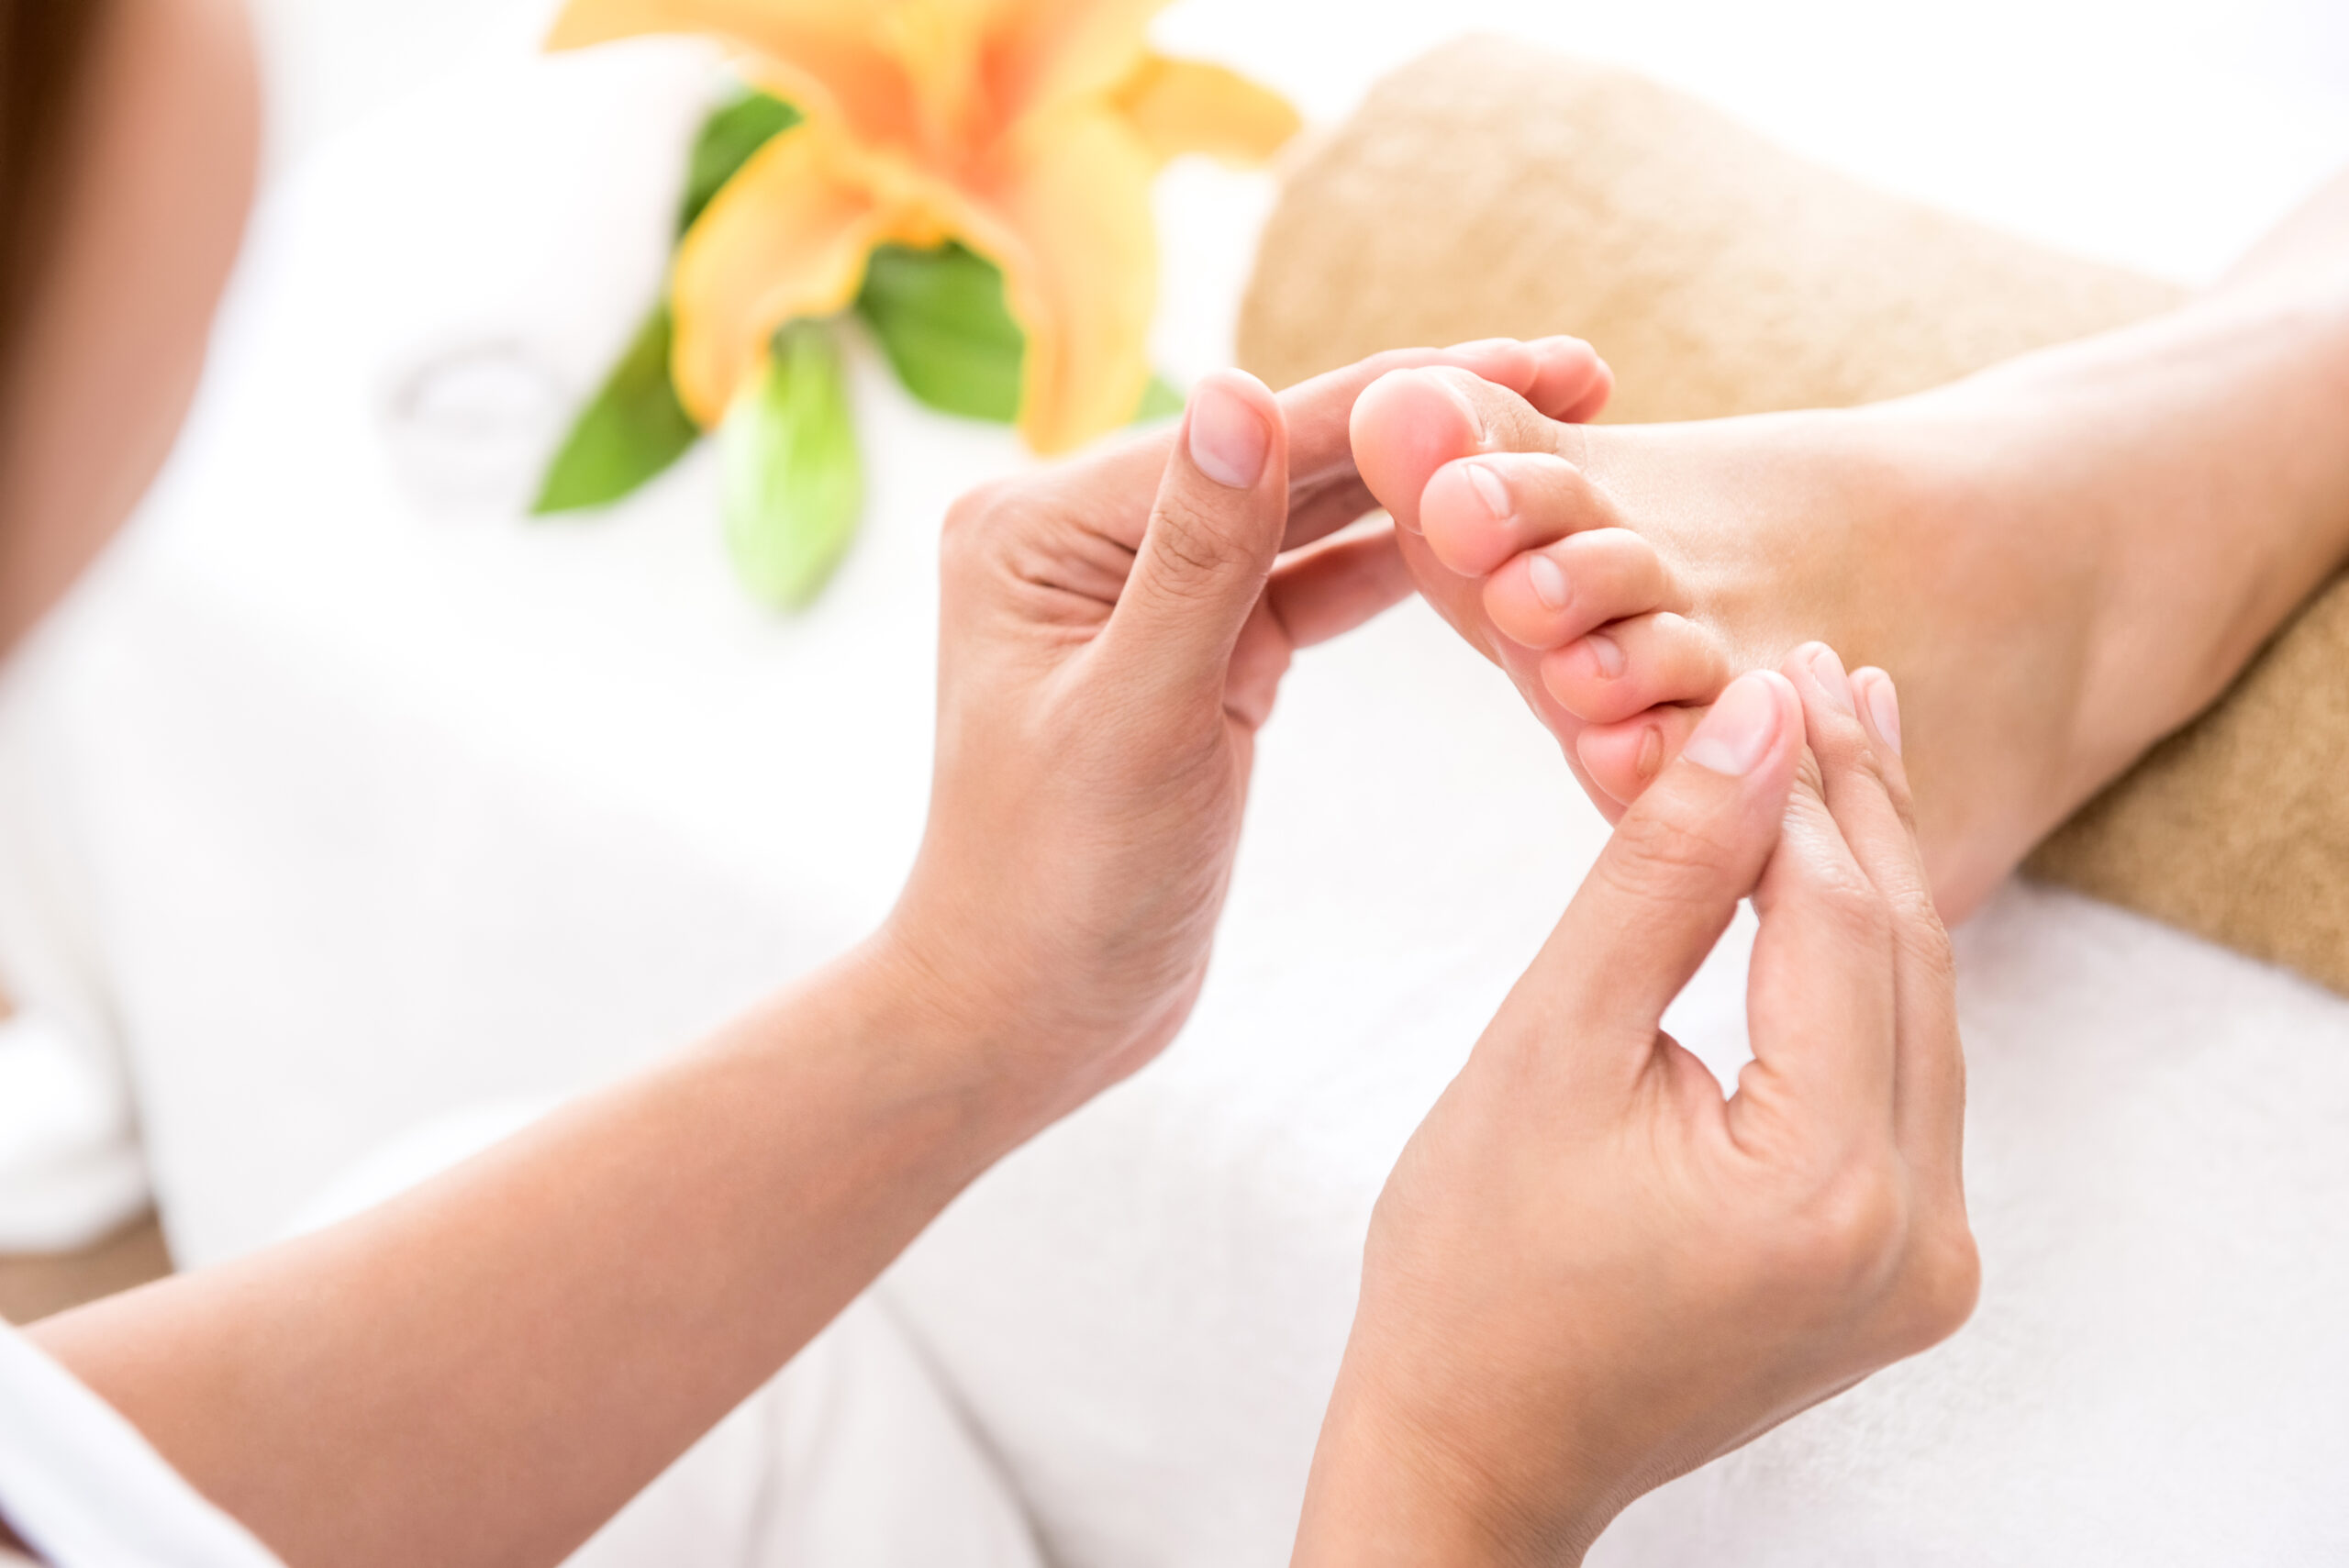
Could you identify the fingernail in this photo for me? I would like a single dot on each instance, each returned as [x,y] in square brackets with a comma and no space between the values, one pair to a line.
[1607,652]
[1229,440]
[1549,580]
[1836,684]
[1489,489]
[1884,709]
[1733,737]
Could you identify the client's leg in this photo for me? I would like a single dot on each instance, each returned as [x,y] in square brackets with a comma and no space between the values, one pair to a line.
[2060,559]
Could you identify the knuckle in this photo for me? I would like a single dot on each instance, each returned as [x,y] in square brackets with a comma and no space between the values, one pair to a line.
[1196,551]
[1917,925]
[1664,846]
[1810,781]
[1386,360]
[1840,894]
[975,511]
[1839,740]
[977,522]
[1943,1285]
[1895,779]
[1846,1238]
[976,525]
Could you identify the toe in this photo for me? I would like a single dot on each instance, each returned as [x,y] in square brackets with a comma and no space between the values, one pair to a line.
[1548,597]
[1410,423]
[1623,759]
[1478,512]
[1406,424]
[1631,664]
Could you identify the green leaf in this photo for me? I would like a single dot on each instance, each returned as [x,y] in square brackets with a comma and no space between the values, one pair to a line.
[1160,400]
[941,318]
[794,484]
[633,429]
[734,132]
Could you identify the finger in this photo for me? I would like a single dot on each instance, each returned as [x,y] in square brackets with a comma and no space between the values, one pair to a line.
[1666,883]
[1929,1066]
[1315,512]
[1313,595]
[1326,493]
[1108,489]
[1820,992]
[1328,591]
[1571,382]
[1210,544]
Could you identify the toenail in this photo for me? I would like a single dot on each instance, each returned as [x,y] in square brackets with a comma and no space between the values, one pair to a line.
[1607,653]
[1452,390]
[1835,685]
[1650,761]
[1549,580]
[1489,489]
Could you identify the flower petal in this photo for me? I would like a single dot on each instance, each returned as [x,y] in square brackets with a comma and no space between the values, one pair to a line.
[786,237]
[824,56]
[1188,106]
[1067,217]
[1045,52]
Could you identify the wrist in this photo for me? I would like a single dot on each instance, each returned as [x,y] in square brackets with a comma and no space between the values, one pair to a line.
[1388,1487]
[961,1029]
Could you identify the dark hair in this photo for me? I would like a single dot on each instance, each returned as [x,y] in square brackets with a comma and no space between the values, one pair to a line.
[41,47]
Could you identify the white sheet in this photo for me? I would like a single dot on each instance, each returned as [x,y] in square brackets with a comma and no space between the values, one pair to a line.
[392,804]
[83,1488]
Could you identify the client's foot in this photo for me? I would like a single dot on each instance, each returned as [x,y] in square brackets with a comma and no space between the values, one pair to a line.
[2059,561]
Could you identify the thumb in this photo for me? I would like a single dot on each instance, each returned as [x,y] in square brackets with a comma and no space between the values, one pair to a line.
[1666,883]
[1213,534]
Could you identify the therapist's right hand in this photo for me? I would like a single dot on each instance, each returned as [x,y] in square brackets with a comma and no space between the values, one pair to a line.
[1590,1271]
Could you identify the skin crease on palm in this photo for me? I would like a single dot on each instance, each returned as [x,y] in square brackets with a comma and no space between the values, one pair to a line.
[2062,559]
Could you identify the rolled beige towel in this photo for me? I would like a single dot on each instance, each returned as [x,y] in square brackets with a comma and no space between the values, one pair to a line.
[1495,190]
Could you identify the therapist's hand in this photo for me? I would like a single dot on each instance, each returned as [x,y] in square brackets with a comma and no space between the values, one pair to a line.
[1113,632]
[1589,1273]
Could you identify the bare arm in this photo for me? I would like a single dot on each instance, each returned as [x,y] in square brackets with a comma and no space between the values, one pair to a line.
[486,1369]
[157,168]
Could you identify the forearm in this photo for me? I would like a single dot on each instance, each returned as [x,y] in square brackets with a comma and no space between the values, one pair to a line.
[483,1371]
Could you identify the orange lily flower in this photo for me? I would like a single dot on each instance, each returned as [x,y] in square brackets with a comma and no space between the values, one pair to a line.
[1029,130]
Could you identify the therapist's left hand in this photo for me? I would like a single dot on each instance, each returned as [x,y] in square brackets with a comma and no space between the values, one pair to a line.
[1113,632]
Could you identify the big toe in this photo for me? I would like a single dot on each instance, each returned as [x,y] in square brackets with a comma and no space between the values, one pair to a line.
[1406,424]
